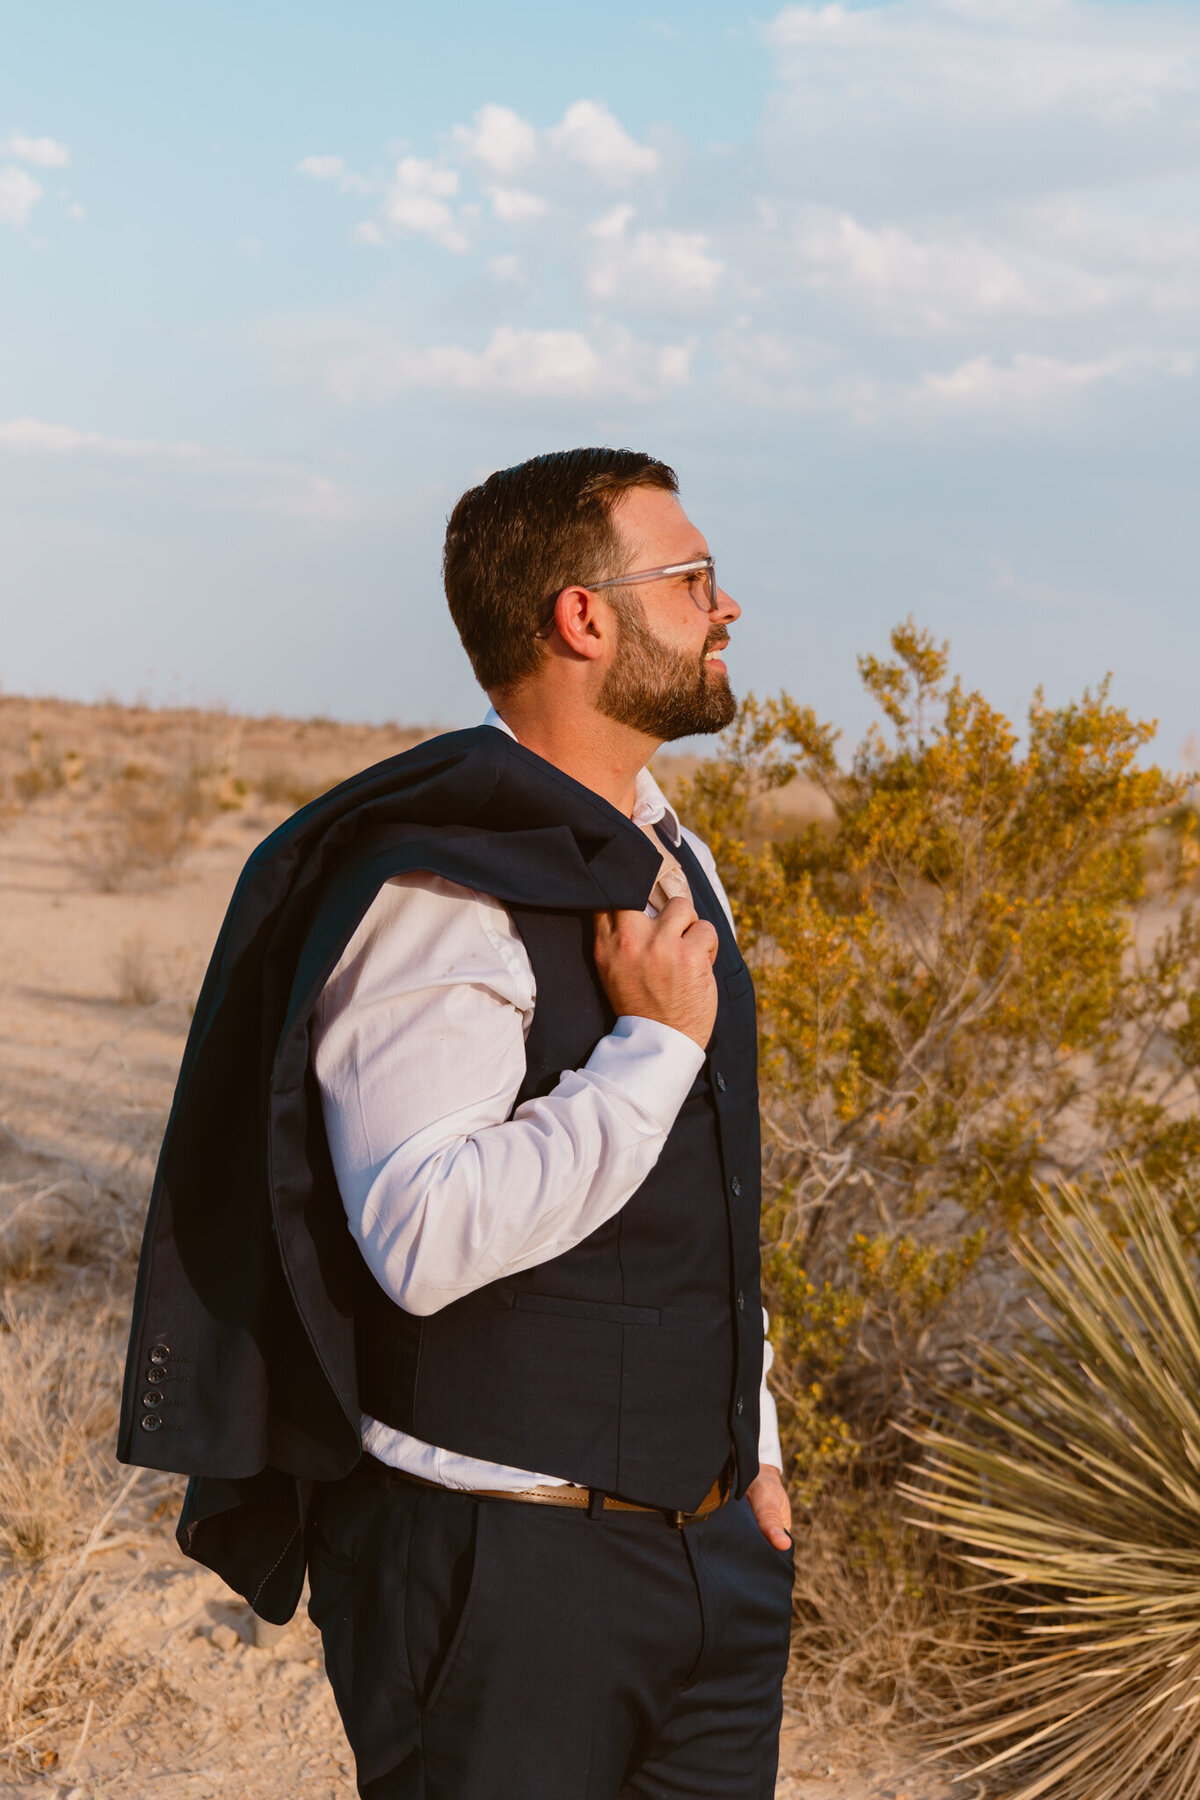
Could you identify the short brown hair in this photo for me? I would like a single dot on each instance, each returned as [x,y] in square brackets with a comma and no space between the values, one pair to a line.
[526,533]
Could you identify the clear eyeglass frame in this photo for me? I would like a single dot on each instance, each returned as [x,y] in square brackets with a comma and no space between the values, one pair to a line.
[635,576]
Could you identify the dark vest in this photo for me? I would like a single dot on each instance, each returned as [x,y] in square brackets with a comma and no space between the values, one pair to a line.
[632,1362]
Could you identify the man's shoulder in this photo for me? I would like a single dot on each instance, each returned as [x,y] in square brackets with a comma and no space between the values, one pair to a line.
[456,762]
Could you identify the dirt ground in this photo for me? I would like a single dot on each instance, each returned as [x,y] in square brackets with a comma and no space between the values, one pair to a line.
[95,995]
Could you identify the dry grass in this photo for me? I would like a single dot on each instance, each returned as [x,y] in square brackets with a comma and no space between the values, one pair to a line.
[141,823]
[58,1420]
[63,1505]
[68,1237]
[67,1241]
[886,1622]
[136,979]
[58,1218]
[292,788]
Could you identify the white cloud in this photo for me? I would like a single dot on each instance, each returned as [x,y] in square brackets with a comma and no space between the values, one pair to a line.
[19,194]
[1025,59]
[333,168]
[368,232]
[416,201]
[943,280]
[924,98]
[321,168]
[651,271]
[262,485]
[612,225]
[775,370]
[42,152]
[499,139]
[515,206]
[1031,386]
[526,364]
[978,173]
[414,176]
[589,134]
[1026,389]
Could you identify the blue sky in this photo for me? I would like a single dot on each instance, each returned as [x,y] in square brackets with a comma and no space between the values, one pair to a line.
[909,294]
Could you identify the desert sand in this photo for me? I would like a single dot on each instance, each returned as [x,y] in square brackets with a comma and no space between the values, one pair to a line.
[161,1686]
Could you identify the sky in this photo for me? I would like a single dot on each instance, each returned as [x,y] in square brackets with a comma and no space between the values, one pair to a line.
[908,293]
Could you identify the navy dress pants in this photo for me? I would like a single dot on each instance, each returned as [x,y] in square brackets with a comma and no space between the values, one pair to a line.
[497,1650]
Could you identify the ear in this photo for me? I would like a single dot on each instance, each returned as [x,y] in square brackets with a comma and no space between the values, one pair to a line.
[583,623]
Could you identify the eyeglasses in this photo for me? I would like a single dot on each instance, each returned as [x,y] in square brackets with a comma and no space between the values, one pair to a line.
[700,565]
[706,599]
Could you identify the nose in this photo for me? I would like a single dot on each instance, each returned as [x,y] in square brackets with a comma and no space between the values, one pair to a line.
[726,607]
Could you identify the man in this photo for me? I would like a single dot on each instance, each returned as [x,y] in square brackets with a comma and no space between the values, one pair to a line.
[561,1566]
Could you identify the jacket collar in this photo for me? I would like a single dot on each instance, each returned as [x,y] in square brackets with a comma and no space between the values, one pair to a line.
[650,804]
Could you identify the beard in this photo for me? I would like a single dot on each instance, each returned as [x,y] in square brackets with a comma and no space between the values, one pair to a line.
[661,692]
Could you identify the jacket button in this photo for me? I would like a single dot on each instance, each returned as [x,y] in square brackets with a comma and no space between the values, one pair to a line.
[720,1080]
[736,1184]
[152,1398]
[159,1354]
[741,1406]
[151,1422]
[741,1301]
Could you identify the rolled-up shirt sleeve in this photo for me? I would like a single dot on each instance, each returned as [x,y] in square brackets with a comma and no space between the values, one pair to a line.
[418,1047]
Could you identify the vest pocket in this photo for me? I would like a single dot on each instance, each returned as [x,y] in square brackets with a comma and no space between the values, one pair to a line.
[738,983]
[563,1308]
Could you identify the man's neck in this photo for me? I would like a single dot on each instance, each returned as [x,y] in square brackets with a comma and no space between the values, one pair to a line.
[591,749]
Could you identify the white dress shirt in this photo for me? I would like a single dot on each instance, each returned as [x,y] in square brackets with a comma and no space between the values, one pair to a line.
[418,1045]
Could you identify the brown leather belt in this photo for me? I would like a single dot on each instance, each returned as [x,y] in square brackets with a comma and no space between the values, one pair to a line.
[582,1499]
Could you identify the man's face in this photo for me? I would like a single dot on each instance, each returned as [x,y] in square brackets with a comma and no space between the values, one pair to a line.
[665,679]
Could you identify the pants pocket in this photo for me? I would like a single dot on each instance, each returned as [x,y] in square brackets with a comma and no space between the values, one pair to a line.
[444,1561]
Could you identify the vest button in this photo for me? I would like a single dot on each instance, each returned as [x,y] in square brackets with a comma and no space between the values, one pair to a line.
[736,1185]
[720,1080]
[741,1405]
[741,1301]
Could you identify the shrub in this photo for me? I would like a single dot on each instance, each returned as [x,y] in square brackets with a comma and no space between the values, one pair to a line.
[1072,1480]
[287,787]
[137,984]
[142,823]
[955,1002]
[886,1619]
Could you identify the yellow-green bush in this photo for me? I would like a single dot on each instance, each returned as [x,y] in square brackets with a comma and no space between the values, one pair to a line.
[957,1000]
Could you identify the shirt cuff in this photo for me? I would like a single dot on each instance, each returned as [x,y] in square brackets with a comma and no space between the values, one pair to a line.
[653,1064]
[769,1448]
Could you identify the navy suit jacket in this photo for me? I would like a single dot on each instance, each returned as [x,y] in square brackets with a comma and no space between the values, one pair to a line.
[242,1316]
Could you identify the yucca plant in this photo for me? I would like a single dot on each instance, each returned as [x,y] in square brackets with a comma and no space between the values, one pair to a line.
[1072,1478]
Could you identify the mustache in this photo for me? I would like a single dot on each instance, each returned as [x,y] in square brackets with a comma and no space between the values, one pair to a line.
[718,637]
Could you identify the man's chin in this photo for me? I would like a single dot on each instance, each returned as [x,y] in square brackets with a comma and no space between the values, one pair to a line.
[724,701]
[719,712]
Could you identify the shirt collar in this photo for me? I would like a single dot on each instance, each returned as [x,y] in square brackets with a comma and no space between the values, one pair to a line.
[650,804]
